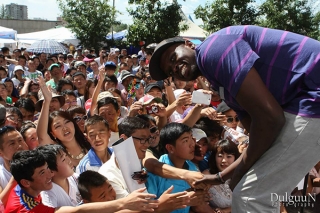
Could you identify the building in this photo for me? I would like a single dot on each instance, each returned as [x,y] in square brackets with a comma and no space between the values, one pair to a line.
[16,11]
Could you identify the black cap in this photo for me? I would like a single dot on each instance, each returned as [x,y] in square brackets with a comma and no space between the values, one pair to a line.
[154,65]
[77,74]
[150,86]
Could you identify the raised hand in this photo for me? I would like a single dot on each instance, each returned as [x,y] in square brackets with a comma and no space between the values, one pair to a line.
[47,94]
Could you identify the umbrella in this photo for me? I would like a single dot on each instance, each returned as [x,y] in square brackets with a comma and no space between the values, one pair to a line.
[47,46]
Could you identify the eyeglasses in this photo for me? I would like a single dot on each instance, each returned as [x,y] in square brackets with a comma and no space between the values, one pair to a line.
[6,128]
[231,119]
[12,118]
[153,129]
[77,119]
[143,140]
[71,102]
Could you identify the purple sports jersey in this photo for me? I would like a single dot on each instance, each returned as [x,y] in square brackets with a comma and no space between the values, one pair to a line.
[288,64]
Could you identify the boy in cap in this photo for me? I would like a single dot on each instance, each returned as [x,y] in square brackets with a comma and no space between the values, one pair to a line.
[56,75]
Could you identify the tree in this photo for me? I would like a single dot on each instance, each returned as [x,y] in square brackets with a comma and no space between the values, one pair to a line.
[292,15]
[223,13]
[89,20]
[119,27]
[154,21]
[3,12]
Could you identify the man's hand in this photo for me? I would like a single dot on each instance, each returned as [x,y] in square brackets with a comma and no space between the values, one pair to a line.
[198,197]
[139,201]
[209,112]
[191,177]
[206,182]
[184,99]
[162,110]
[169,202]
[135,107]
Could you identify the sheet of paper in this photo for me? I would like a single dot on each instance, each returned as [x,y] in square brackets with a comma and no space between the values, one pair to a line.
[128,161]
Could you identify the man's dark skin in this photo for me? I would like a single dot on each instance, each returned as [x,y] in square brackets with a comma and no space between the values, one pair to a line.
[265,117]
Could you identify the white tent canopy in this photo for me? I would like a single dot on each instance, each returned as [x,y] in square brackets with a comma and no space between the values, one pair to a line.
[7,33]
[60,34]
[194,31]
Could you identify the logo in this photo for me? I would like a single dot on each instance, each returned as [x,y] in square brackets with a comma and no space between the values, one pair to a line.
[297,201]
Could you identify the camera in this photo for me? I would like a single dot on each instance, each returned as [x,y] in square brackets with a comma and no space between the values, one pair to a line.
[152,109]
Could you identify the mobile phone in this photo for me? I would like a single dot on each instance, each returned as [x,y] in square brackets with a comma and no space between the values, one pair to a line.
[198,97]
[112,50]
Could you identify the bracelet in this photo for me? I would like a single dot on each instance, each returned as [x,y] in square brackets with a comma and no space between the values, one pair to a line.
[220,177]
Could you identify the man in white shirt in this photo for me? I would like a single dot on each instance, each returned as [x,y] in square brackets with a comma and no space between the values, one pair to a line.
[102,54]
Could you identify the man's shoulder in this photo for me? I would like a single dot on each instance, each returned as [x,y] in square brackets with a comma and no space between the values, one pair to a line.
[19,201]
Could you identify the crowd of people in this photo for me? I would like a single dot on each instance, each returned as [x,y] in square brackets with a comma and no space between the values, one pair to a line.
[61,113]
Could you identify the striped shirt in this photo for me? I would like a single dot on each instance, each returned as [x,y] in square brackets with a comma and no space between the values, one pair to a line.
[288,64]
[90,161]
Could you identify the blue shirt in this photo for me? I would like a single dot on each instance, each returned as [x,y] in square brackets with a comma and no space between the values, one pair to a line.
[157,185]
[288,64]
[203,165]
[90,161]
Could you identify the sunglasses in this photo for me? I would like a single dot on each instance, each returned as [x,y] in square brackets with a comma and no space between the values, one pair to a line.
[153,129]
[230,120]
[77,119]
[139,176]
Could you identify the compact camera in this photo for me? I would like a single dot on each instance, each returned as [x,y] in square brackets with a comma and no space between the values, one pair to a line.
[152,109]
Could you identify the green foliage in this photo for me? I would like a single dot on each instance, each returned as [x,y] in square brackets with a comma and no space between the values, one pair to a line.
[3,13]
[154,21]
[223,13]
[292,15]
[90,20]
[119,27]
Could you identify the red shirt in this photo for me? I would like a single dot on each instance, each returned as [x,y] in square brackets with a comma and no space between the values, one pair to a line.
[20,201]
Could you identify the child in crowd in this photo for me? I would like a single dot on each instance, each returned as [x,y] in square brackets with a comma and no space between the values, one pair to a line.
[95,187]
[180,145]
[30,170]
[224,154]
[98,134]
[138,129]
[202,141]
[64,191]
[11,141]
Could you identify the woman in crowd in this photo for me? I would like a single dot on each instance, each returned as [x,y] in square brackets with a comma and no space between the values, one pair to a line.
[223,155]
[12,91]
[90,85]
[60,128]
[79,116]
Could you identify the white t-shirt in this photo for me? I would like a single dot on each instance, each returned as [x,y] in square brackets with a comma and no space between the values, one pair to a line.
[98,61]
[5,176]
[113,137]
[57,197]
[16,82]
[32,75]
[115,178]
[176,116]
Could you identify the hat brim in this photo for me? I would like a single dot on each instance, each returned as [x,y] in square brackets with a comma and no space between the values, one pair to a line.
[158,100]
[154,65]
[38,105]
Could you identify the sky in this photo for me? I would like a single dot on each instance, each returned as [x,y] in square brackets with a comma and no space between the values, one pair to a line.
[48,9]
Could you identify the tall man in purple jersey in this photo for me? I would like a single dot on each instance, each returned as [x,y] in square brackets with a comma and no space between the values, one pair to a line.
[271,78]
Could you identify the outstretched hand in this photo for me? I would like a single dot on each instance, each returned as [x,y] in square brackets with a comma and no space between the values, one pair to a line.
[206,182]
[139,201]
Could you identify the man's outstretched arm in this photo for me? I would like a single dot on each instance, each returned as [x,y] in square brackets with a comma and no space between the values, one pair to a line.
[264,123]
